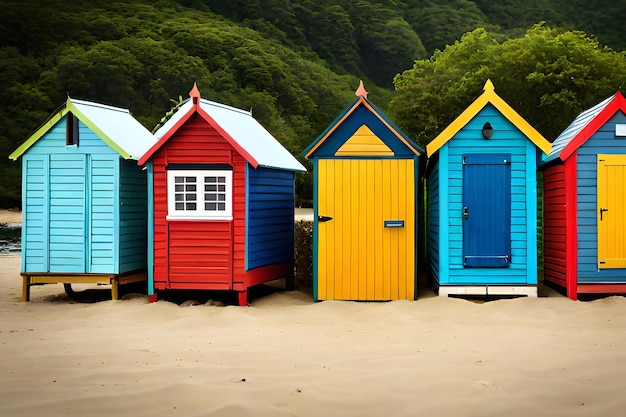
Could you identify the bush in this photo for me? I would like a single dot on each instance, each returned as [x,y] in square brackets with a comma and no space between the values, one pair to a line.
[304,255]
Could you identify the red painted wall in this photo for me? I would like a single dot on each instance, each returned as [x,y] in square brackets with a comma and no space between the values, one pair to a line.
[198,254]
[554,225]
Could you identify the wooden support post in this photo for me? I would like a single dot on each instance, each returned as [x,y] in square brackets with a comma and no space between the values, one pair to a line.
[243,297]
[114,289]
[25,288]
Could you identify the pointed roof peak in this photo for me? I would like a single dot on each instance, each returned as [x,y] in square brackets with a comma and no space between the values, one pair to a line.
[361,92]
[194,93]
[585,125]
[489,96]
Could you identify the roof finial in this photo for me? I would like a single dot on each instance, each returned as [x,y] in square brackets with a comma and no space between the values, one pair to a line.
[489,86]
[195,94]
[360,92]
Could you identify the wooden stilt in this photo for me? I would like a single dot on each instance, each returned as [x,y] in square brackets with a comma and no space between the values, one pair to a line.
[25,288]
[243,297]
[114,290]
[115,280]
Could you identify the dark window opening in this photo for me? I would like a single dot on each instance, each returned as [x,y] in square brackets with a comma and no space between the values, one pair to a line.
[71,130]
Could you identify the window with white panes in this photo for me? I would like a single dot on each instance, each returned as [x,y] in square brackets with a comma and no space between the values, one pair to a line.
[200,194]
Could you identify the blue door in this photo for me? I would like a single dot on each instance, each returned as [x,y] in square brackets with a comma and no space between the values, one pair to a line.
[487,210]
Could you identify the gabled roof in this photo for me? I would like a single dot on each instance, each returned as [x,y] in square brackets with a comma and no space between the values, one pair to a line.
[238,127]
[114,126]
[584,126]
[348,111]
[489,96]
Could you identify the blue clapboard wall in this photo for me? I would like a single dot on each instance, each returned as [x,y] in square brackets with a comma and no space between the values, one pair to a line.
[84,206]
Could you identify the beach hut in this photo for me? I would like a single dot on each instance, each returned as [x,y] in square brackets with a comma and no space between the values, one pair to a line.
[222,202]
[585,203]
[365,176]
[84,199]
[482,201]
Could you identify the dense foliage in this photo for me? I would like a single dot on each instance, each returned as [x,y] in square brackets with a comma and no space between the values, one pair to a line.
[549,76]
[295,64]
[303,255]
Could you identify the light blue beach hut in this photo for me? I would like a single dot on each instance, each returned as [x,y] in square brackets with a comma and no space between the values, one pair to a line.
[482,201]
[84,198]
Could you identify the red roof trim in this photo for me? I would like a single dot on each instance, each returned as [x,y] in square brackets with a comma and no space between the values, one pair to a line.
[166,137]
[571,228]
[197,108]
[618,103]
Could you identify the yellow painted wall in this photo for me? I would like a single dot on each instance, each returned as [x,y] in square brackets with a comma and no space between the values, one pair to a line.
[358,258]
[364,143]
[612,196]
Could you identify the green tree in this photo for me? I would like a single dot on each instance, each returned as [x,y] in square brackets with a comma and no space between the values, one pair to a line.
[549,71]
[386,42]
[439,24]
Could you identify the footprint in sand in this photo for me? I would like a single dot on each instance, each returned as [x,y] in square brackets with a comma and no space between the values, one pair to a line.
[483,385]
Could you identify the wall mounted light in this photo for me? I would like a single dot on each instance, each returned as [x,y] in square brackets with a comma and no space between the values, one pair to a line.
[487,131]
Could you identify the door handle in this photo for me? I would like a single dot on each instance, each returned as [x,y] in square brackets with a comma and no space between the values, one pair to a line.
[602,210]
[323,219]
[465,213]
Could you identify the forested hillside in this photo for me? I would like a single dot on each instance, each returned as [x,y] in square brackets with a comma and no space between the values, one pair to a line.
[295,64]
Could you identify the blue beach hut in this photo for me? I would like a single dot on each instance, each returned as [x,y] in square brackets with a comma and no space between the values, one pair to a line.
[482,201]
[84,198]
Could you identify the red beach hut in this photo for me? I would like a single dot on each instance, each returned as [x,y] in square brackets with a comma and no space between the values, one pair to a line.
[221,203]
[585,203]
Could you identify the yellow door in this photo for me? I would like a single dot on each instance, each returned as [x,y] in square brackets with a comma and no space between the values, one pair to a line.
[366,229]
[611,211]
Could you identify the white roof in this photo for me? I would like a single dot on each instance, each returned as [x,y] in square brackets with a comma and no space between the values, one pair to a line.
[580,122]
[119,126]
[245,130]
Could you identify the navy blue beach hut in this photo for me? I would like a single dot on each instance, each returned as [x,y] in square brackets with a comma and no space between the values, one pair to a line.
[482,201]
[84,198]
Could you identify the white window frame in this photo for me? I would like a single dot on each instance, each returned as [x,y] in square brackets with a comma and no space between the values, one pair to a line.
[200,213]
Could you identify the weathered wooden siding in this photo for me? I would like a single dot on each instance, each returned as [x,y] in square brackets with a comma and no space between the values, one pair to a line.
[198,254]
[522,269]
[103,179]
[434,218]
[67,234]
[602,142]
[133,204]
[35,191]
[270,217]
[358,257]
[67,223]
[554,226]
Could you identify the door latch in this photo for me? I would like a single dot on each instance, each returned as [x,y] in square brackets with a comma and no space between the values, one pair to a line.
[465,213]
[323,219]
[602,210]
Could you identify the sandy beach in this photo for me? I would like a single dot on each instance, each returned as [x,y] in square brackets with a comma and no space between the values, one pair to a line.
[285,355]
[10,217]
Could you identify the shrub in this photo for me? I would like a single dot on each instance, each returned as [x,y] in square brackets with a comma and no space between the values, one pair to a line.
[304,256]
